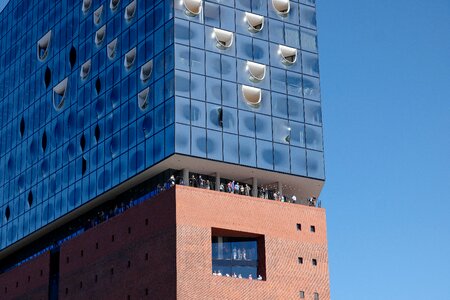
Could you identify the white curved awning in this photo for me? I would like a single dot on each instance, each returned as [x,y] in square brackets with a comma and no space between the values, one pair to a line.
[251,95]
[100,35]
[282,7]
[130,11]
[98,15]
[193,7]
[255,22]
[113,4]
[130,58]
[59,94]
[111,49]
[288,54]
[143,100]
[257,72]
[43,46]
[223,38]
[85,70]
[86,6]
[146,71]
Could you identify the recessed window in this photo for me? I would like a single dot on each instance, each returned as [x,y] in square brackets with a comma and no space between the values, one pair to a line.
[111,49]
[192,7]
[7,213]
[43,46]
[82,142]
[314,262]
[302,294]
[257,72]
[251,95]
[238,254]
[30,198]
[299,226]
[98,15]
[22,127]
[59,95]
[83,165]
[129,264]
[47,77]
[300,260]
[282,7]
[130,11]
[312,228]
[129,59]
[224,39]
[288,55]
[146,71]
[143,101]
[98,86]
[97,133]
[220,116]
[86,5]
[255,22]
[100,35]
[72,57]
[85,70]
[316,296]
[44,141]
[113,4]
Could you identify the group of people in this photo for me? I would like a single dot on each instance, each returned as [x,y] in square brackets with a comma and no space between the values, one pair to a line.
[234,275]
[234,187]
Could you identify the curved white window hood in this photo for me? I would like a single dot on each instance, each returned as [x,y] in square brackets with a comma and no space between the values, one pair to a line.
[98,15]
[146,71]
[223,38]
[129,59]
[251,95]
[288,54]
[282,7]
[85,70]
[43,46]
[111,49]
[113,4]
[255,22]
[86,6]
[143,99]
[130,11]
[257,72]
[100,35]
[192,7]
[59,94]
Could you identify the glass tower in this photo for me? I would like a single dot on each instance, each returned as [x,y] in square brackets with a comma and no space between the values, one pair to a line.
[96,93]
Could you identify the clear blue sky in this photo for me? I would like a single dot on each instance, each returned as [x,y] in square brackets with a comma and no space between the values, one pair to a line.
[385,77]
[385,72]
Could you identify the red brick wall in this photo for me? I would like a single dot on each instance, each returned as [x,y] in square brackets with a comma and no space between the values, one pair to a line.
[27,281]
[104,273]
[161,249]
[199,210]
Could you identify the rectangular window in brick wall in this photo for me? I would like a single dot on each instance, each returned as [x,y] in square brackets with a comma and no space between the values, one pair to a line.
[238,254]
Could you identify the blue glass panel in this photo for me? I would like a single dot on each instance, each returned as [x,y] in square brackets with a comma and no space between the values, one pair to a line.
[315,164]
[264,154]
[214,145]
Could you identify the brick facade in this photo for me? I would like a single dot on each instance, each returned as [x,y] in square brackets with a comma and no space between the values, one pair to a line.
[161,249]
[27,281]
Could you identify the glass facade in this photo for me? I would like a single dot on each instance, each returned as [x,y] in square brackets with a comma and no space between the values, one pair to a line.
[223,112]
[94,92]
